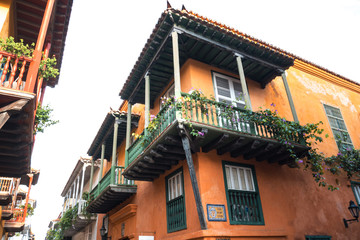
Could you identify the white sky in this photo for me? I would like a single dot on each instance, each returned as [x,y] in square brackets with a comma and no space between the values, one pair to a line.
[104,42]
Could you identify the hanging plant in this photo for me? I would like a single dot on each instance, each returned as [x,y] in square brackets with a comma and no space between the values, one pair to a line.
[43,118]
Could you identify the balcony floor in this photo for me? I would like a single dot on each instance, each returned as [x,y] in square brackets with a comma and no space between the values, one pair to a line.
[166,150]
[14,226]
[109,198]
[6,214]
[80,223]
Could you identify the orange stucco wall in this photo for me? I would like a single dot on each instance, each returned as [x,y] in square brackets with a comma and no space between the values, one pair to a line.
[6,19]
[293,205]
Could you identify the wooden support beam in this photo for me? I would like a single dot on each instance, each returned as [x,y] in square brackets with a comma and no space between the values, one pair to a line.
[173,140]
[152,166]
[161,161]
[167,155]
[170,149]
[264,150]
[250,146]
[189,160]
[273,152]
[216,143]
[240,141]
[151,171]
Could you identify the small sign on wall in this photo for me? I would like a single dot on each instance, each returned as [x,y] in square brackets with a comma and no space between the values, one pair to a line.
[216,212]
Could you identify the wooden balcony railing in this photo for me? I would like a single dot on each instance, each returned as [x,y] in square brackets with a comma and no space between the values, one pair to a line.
[13,71]
[119,180]
[7,185]
[18,216]
[212,114]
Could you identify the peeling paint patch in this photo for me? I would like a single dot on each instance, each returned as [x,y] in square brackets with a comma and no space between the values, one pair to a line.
[325,89]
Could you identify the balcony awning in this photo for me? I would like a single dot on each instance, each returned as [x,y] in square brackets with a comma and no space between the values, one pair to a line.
[203,40]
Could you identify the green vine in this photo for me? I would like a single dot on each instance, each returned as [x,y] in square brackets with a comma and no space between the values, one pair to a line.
[347,160]
[47,67]
[43,118]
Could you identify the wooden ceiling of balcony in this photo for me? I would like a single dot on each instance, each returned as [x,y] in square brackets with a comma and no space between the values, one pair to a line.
[16,138]
[204,42]
[28,18]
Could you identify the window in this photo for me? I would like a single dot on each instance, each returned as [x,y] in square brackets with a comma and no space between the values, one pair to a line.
[356,189]
[175,201]
[228,90]
[242,194]
[338,127]
[317,237]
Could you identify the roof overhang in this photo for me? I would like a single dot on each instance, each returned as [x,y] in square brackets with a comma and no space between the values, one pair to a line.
[29,15]
[203,40]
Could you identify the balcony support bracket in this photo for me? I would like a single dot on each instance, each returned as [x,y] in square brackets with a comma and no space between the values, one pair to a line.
[186,145]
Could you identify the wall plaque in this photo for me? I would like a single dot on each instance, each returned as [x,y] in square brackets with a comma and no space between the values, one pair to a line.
[216,212]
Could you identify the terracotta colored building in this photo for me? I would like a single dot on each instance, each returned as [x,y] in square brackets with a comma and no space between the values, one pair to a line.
[233,179]
[45,24]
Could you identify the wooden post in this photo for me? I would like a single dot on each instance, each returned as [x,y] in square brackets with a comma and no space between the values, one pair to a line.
[128,135]
[77,189]
[147,100]
[34,65]
[82,186]
[91,177]
[288,93]
[243,82]
[114,159]
[195,187]
[39,88]
[27,196]
[176,63]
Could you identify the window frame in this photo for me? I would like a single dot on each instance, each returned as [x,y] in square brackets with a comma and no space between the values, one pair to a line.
[256,190]
[356,194]
[231,81]
[337,129]
[317,237]
[167,178]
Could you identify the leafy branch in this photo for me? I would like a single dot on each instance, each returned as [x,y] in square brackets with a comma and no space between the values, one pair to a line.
[43,118]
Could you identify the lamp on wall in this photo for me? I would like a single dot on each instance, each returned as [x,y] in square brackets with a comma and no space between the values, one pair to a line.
[103,230]
[354,210]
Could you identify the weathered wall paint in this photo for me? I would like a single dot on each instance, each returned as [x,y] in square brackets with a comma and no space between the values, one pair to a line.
[293,205]
[6,19]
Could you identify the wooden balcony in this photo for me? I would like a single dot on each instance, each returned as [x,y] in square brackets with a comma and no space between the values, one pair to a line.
[155,152]
[7,190]
[7,212]
[81,221]
[112,190]
[17,222]
[17,106]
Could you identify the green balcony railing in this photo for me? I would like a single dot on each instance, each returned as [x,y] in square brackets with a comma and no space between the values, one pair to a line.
[211,113]
[119,180]
[165,117]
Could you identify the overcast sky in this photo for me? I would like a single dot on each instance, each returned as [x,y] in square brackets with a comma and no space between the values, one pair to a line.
[104,42]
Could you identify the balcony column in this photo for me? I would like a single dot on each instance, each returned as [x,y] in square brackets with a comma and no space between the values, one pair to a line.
[114,159]
[243,82]
[91,176]
[73,195]
[34,65]
[77,189]
[27,196]
[81,187]
[147,100]
[128,134]
[176,63]
[288,93]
